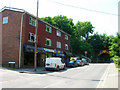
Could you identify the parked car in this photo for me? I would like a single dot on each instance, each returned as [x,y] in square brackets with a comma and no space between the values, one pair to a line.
[80,62]
[73,58]
[72,64]
[54,63]
[86,62]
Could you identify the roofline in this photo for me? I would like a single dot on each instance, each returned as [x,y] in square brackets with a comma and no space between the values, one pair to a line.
[22,10]
[11,8]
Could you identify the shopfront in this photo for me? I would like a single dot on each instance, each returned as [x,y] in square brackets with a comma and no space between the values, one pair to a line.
[29,56]
[49,52]
[67,57]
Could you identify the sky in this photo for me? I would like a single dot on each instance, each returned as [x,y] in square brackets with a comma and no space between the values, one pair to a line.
[103,14]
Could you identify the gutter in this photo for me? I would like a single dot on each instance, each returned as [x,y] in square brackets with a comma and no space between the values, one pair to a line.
[20,48]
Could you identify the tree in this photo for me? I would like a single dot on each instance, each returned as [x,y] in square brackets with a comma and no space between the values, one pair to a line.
[115,45]
[100,43]
[48,20]
[83,29]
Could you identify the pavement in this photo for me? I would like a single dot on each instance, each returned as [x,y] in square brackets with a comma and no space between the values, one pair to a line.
[110,78]
[39,70]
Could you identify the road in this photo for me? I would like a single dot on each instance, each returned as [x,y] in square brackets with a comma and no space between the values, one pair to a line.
[79,77]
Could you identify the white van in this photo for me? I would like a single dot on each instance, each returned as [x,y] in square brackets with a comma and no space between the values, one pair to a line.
[55,63]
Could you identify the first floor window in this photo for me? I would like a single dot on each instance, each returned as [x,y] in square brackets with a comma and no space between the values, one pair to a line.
[66,37]
[31,37]
[58,33]
[5,20]
[48,29]
[58,44]
[32,21]
[48,42]
[66,46]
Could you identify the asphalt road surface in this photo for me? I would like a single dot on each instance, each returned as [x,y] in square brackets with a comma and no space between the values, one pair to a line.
[79,77]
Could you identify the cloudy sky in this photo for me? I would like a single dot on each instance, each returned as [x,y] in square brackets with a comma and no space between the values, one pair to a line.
[103,14]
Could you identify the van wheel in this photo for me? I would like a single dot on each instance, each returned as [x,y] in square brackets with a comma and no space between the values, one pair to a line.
[57,68]
[64,67]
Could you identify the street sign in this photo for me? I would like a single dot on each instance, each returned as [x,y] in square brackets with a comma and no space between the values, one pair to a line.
[85,52]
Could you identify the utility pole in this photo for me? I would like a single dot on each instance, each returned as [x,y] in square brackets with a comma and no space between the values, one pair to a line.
[35,54]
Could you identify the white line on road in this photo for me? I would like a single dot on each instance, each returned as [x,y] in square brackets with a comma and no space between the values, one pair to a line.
[101,83]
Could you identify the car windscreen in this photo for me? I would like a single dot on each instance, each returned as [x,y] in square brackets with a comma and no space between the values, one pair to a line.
[71,62]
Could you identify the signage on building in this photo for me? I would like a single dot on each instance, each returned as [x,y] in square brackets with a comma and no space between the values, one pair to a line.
[48,50]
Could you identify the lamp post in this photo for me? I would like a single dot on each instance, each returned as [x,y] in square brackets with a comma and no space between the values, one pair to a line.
[35,54]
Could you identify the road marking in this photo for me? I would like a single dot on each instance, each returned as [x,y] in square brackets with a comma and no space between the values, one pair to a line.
[101,83]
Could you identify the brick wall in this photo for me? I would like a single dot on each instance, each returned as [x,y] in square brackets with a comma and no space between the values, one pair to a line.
[42,35]
[10,37]
[0,38]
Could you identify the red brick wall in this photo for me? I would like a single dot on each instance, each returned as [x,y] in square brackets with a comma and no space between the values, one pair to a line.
[42,34]
[0,38]
[10,36]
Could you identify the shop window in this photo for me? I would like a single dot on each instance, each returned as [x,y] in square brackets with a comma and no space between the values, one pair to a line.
[48,42]
[66,46]
[58,44]
[32,21]
[31,37]
[48,29]
[58,33]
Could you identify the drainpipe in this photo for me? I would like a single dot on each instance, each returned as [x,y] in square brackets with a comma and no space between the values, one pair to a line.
[20,49]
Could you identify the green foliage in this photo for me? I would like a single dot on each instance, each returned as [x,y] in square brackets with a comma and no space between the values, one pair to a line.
[116,60]
[115,45]
[48,20]
[99,43]
[83,29]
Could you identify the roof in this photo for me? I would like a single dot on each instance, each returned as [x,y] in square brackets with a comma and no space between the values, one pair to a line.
[22,10]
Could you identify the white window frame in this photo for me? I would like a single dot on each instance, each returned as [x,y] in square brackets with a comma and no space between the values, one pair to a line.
[32,21]
[49,42]
[58,33]
[66,45]
[66,37]
[30,39]
[5,20]
[50,29]
[58,44]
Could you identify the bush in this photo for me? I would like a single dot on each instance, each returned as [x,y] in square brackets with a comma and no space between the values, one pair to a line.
[116,60]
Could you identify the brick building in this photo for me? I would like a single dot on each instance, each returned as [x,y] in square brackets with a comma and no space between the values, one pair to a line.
[18,36]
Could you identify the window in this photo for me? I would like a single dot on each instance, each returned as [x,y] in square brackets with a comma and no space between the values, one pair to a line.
[58,44]
[31,37]
[48,29]
[48,42]
[5,20]
[66,37]
[58,33]
[32,21]
[66,46]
